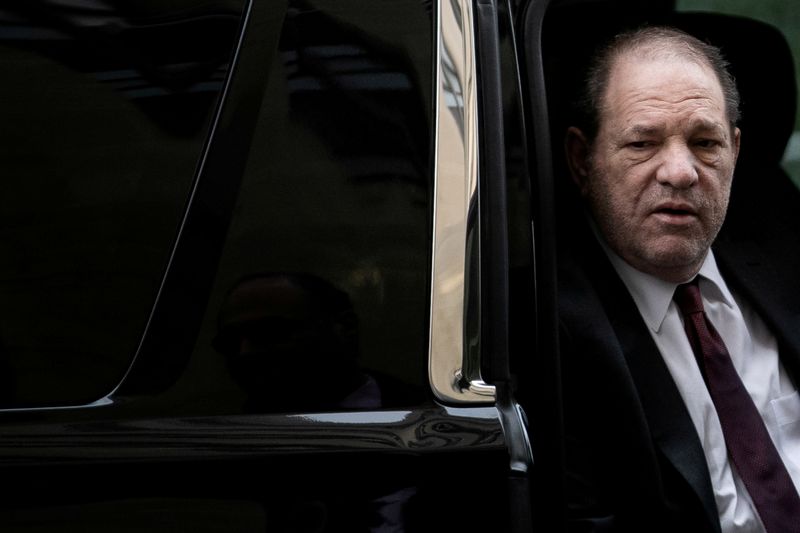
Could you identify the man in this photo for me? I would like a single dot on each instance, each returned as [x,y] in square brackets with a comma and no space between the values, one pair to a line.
[677,370]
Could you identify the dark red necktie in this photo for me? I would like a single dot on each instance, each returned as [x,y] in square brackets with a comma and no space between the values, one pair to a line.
[749,445]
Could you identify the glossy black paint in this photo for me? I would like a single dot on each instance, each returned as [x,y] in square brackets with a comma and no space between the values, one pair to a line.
[429,429]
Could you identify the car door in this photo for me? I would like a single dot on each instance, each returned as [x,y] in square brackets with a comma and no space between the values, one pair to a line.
[249,250]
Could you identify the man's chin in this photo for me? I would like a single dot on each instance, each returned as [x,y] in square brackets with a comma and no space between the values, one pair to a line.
[677,262]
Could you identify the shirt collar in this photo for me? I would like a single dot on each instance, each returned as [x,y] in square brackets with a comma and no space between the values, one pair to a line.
[653,295]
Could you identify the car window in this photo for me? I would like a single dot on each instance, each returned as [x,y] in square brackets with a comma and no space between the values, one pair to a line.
[785,18]
[105,108]
[321,295]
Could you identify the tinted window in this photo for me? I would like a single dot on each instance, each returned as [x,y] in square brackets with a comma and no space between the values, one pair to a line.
[320,300]
[105,110]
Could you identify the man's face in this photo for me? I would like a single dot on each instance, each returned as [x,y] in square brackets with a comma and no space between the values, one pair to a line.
[657,177]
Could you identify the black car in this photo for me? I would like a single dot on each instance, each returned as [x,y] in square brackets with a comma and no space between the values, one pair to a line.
[289,265]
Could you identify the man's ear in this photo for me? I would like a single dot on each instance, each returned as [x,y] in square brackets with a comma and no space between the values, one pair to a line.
[737,137]
[577,151]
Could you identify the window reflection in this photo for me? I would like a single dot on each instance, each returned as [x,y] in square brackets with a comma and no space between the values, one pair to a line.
[291,342]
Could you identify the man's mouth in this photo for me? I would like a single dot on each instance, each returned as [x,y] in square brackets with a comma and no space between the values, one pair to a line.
[670,211]
[675,213]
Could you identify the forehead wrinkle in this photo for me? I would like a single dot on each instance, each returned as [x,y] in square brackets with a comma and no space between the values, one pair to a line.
[648,116]
[656,124]
[642,101]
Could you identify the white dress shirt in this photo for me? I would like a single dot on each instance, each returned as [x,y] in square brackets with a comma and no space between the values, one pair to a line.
[754,352]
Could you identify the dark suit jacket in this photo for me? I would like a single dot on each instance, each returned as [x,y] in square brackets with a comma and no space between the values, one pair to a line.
[634,460]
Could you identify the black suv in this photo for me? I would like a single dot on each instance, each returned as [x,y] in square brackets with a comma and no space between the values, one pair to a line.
[288,265]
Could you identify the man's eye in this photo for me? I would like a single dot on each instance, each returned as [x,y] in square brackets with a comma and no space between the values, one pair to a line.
[638,145]
[707,143]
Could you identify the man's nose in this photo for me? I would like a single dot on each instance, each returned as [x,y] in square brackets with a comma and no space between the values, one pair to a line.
[677,167]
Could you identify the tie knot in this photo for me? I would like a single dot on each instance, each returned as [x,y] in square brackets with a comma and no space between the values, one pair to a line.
[688,298]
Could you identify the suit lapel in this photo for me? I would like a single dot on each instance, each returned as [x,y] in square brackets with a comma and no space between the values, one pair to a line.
[670,425]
